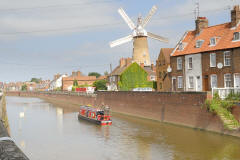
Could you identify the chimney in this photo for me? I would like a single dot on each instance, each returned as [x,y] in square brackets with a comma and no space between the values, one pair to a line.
[235,16]
[152,66]
[122,62]
[78,73]
[142,65]
[128,61]
[201,23]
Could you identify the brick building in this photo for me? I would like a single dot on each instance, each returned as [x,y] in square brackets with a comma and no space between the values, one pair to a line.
[67,82]
[208,57]
[162,63]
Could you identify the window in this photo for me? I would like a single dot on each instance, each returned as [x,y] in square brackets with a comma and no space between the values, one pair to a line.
[227,80]
[191,84]
[213,60]
[214,81]
[160,85]
[190,65]
[181,46]
[236,36]
[179,63]
[180,82]
[213,41]
[227,58]
[152,78]
[199,43]
[160,74]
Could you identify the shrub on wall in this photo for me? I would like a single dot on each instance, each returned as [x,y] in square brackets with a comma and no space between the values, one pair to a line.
[134,77]
[223,109]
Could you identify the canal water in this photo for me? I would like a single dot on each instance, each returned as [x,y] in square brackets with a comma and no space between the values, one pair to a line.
[46,132]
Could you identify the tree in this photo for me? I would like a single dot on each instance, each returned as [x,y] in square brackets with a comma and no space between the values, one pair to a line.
[75,83]
[100,85]
[94,74]
[24,87]
[106,73]
[36,80]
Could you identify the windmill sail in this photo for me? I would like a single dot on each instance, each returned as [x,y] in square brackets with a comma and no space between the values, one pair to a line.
[157,37]
[121,41]
[126,19]
[149,16]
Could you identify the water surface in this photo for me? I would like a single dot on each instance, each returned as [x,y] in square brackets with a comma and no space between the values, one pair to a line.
[51,133]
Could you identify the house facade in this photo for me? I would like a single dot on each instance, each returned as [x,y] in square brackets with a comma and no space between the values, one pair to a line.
[208,57]
[67,82]
[162,75]
[114,78]
[56,83]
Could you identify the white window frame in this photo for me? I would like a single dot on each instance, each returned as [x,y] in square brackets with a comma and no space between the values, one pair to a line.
[180,82]
[235,86]
[199,43]
[226,80]
[190,82]
[234,36]
[212,81]
[226,59]
[179,63]
[190,67]
[213,39]
[215,59]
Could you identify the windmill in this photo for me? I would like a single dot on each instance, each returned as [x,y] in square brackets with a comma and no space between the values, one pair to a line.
[139,37]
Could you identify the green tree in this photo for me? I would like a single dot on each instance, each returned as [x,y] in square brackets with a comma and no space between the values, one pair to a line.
[106,73]
[94,74]
[75,83]
[36,80]
[24,87]
[100,85]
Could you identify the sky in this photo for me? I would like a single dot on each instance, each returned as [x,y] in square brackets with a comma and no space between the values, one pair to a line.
[40,38]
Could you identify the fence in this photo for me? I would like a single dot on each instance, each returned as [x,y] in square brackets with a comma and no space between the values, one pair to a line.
[224,92]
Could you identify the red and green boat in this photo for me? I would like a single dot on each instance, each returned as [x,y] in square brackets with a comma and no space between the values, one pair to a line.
[98,116]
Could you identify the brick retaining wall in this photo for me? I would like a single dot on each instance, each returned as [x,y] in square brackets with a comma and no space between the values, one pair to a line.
[181,108]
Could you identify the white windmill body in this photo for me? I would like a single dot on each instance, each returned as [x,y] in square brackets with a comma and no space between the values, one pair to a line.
[139,37]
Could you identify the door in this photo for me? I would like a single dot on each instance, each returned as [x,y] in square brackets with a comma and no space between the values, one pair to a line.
[198,84]
[206,88]
[174,88]
[237,80]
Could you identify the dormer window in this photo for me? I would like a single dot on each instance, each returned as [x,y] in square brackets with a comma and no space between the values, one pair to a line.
[199,43]
[213,41]
[236,36]
[181,46]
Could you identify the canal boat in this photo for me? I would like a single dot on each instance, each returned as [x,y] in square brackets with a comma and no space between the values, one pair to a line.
[98,116]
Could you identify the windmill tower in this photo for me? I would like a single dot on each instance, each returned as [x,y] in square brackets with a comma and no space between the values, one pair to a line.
[139,37]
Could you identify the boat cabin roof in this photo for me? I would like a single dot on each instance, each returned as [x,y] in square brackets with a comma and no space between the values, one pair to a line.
[90,108]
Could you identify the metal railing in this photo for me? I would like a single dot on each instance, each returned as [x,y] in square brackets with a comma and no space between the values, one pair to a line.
[68,93]
[224,92]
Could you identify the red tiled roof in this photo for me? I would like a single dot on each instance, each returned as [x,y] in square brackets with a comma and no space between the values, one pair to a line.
[166,52]
[80,78]
[223,33]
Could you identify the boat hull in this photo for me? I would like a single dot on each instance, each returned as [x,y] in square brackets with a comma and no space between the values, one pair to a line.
[103,122]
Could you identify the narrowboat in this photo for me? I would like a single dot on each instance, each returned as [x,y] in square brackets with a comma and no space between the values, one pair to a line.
[98,116]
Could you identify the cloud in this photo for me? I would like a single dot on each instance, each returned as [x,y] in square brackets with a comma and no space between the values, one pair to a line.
[90,13]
